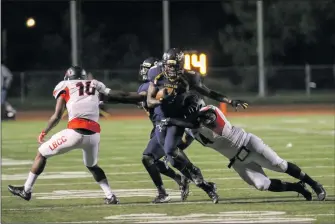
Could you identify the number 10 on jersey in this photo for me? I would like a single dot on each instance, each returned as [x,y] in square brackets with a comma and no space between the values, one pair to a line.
[196,61]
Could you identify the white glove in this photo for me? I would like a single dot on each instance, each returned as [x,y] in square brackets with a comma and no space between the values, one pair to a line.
[100,87]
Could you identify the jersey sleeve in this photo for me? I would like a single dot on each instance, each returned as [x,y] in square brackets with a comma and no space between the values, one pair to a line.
[60,89]
[194,78]
[143,88]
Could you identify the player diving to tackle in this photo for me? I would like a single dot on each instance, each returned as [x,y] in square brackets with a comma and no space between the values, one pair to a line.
[171,74]
[247,153]
[155,164]
[79,96]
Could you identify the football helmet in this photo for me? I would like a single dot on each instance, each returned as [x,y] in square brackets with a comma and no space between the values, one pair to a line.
[75,72]
[173,63]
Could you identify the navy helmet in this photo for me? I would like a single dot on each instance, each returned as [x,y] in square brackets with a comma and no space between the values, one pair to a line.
[75,72]
[173,63]
[144,68]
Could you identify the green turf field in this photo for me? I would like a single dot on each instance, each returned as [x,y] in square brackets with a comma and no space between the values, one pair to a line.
[66,192]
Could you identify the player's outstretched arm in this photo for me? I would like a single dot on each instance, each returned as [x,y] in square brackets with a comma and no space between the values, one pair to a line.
[54,119]
[118,96]
[151,100]
[204,90]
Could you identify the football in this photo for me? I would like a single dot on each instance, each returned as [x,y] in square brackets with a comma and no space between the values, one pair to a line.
[160,93]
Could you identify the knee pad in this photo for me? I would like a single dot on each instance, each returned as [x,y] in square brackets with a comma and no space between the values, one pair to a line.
[263,184]
[97,173]
[283,166]
[148,160]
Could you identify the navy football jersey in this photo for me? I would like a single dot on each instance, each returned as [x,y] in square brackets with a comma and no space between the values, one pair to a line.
[144,88]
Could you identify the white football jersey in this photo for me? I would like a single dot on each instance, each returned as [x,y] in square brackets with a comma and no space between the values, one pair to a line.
[82,100]
[223,137]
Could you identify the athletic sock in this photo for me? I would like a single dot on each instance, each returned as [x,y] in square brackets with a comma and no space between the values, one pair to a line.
[280,186]
[294,171]
[106,188]
[30,182]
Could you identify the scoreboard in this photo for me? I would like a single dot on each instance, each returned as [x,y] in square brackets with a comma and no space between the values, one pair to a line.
[196,61]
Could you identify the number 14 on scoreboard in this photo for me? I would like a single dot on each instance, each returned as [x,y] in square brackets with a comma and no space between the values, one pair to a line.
[196,61]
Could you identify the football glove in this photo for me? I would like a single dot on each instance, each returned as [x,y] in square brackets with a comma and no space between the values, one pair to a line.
[239,103]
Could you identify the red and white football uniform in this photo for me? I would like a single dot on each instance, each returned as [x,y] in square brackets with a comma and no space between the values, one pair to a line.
[82,104]
[228,140]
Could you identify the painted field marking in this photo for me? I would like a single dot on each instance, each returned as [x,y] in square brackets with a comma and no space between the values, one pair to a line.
[141,204]
[14,162]
[65,167]
[217,161]
[121,193]
[79,175]
[221,217]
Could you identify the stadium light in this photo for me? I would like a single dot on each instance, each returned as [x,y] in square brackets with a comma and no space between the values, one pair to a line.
[30,22]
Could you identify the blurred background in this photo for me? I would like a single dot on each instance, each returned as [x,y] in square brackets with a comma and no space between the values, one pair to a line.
[269,52]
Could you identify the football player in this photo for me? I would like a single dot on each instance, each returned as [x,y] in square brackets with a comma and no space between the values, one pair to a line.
[171,74]
[152,162]
[247,153]
[81,99]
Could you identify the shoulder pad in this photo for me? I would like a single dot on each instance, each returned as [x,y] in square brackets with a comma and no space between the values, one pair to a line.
[59,89]
[153,73]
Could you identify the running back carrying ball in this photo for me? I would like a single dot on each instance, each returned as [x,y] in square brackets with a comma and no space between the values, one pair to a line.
[160,93]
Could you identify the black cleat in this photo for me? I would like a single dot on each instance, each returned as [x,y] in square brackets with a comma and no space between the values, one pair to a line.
[304,191]
[212,193]
[319,191]
[184,188]
[19,191]
[112,201]
[161,198]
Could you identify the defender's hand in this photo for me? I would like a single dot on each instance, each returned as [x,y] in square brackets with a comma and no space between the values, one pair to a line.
[239,103]
[40,138]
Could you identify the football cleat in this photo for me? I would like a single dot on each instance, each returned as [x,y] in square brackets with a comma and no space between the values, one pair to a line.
[184,187]
[319,191]
[304,191]
[212,193]
[113,200]
[161,198]
[19,191]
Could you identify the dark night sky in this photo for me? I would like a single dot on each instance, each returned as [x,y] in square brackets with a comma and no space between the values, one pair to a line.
[200,22]
[142,18]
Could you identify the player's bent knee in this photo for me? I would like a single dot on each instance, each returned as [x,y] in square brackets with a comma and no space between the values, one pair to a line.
[97,173]
[262,185]
[148,160]
[44,151]
[283,166]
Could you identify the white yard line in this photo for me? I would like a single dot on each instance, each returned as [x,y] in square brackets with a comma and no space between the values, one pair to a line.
[81,167]
[138,181]
[168,190]
[134,204]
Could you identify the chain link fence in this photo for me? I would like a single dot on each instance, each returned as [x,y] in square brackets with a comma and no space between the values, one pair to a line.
[39,85]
